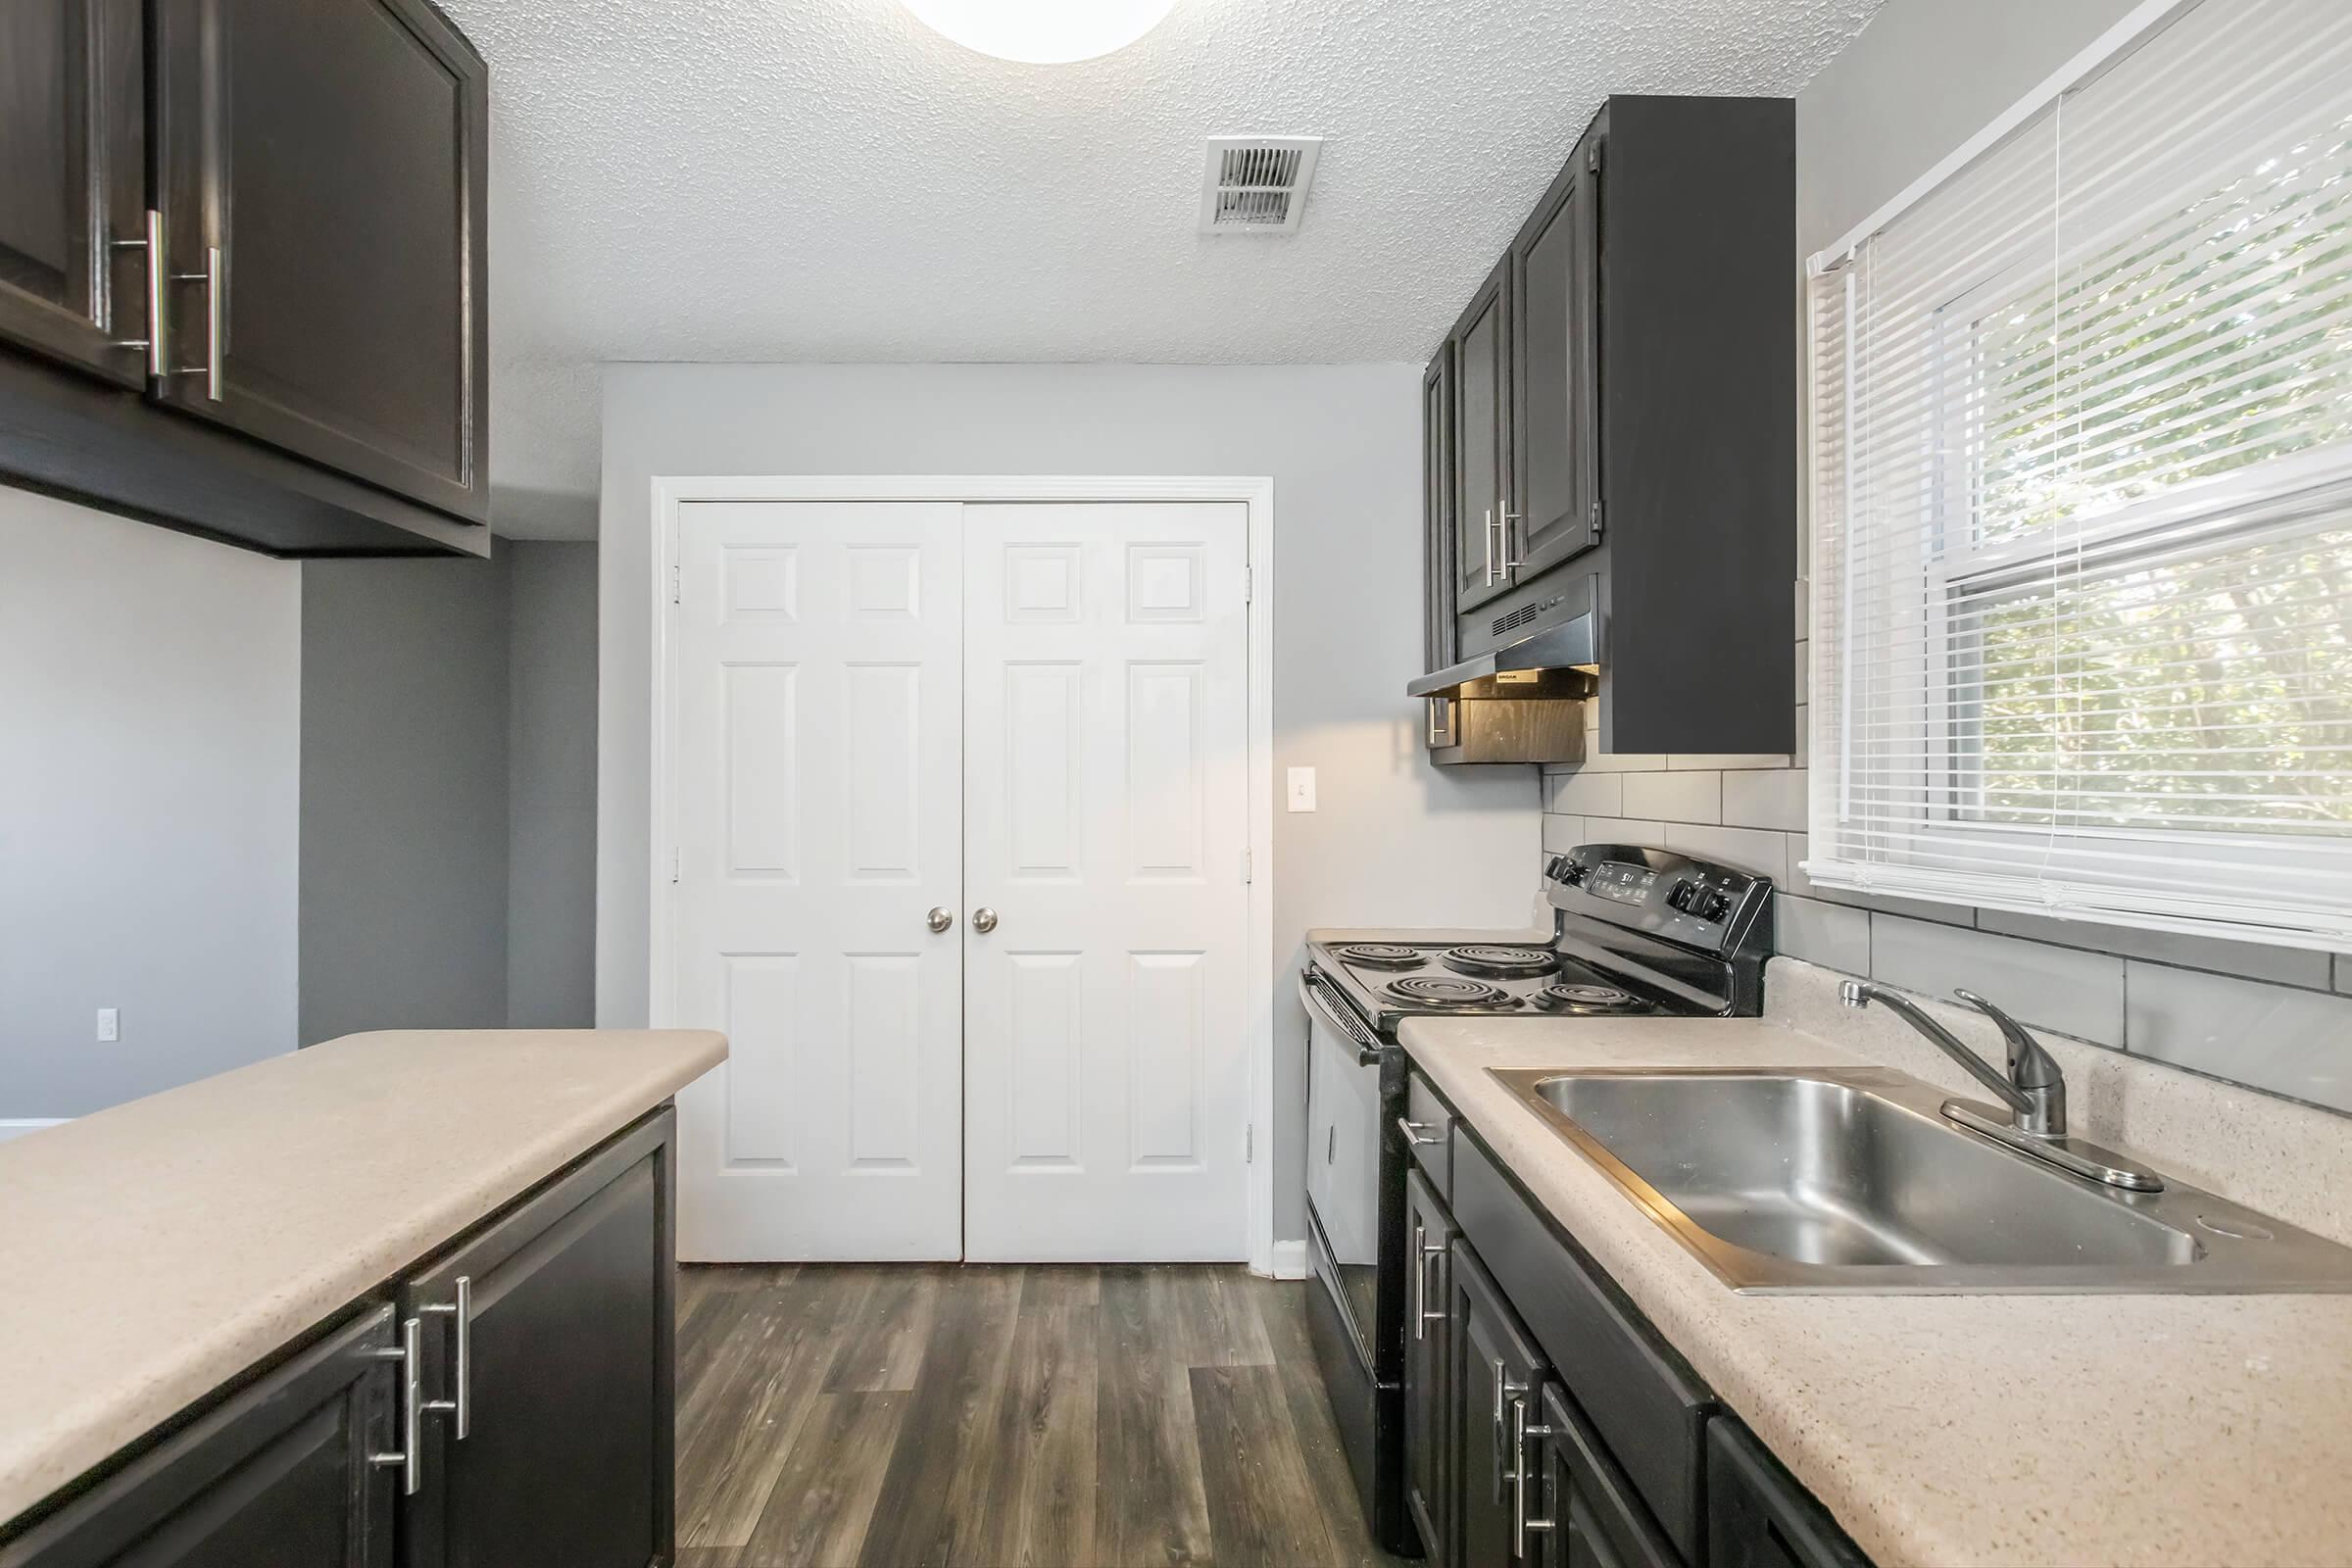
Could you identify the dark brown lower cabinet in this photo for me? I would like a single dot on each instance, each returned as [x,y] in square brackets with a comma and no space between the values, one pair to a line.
[1428,1495]
[1497,1378]
[281,1475]
[1591,1516]
[1759,1517]
[539,1433]
[555,1451]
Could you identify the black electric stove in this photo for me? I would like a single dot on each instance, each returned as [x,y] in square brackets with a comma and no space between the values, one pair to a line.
[1636,933]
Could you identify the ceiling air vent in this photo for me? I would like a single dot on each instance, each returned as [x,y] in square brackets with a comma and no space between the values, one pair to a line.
[1257,184]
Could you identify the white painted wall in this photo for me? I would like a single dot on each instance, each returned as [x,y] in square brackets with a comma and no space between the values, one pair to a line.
[1395,841]
[149,758]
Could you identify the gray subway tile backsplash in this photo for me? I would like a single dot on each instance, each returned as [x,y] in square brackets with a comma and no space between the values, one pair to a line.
[2079,994]
[1774,798]
[1827,934]
[2286,1040]
[1743,848]
[2344,972]
[2289,967]
[1588,793]
[1675,797]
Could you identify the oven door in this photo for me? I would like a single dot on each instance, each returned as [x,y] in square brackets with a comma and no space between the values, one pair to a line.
[1343,1123]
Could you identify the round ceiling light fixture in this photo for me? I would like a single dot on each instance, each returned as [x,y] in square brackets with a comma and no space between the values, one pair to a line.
[1042,33]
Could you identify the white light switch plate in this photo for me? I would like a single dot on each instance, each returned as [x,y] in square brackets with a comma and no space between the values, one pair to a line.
[109,1024]
[1302,789]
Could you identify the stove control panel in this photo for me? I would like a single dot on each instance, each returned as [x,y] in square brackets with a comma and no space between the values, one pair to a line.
[1657,891]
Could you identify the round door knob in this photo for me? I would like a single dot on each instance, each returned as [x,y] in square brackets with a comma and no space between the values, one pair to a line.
[983,920]
[938,919]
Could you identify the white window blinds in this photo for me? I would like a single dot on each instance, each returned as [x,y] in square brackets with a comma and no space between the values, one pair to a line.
[2082,552]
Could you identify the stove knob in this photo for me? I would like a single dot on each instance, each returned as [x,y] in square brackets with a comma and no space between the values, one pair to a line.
[1680,895]
[1714,905]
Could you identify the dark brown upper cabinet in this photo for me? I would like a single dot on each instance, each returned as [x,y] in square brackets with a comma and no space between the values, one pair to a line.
[1555,459]
[296,194]
[1482,443]
[73,186]
[1631,365]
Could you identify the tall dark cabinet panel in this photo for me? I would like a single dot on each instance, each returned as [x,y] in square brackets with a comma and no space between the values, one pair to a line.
[1482,360]
[73,183]
[284,1474]
[1428,1455]
[1557,456]
[1437,506]
[322,173]
[565,1459]
[1498,1376]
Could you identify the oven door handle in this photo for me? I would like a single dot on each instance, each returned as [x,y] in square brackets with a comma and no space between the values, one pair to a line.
[1311,995]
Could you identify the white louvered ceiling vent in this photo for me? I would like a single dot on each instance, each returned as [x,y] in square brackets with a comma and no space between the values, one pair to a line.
[1257,184]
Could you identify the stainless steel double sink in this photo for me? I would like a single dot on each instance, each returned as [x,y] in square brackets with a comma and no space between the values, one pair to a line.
[1808,1179]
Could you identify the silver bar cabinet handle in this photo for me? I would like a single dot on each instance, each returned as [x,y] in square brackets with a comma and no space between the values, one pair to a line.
[1413,1130]
[1488,530]
[411,1455]
[150,242]
[462,1311]
[1521,1524]
[1420,1281]
[1504,522]
[210,278]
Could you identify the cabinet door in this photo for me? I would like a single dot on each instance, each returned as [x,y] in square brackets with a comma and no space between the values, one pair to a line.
[1481,425]
[72,185]
[1758,1514]
[1591,1516]
[282,1474]
[1495,1372]
[1438,523]
[1555,416]
[550,1443]
[1428,1456]
[321,180]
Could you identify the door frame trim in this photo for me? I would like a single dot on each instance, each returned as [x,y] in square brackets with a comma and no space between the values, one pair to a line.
[1256,494]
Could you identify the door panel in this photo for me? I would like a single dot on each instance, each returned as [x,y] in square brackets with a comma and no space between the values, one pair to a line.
[1427,1452]
[1497,1371]
[350,310]
[73,122]
[1106,808]
[1557,424]
[1482,439]
[567,1457]
[814,793]
[278,1475]
[1438,520]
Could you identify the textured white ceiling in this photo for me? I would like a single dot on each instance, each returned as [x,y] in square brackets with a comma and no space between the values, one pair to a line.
[829,180]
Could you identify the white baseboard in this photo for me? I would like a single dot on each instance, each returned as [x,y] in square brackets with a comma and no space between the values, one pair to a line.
[18,1126]
[1286,1260]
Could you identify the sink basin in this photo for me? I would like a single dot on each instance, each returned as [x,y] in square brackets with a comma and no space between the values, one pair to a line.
[1821,1179]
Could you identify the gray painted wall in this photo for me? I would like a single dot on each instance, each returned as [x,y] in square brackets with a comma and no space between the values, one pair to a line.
[1924,77]
[551,785]
[148,776]
[449,791]
[404,795]
[1395,841]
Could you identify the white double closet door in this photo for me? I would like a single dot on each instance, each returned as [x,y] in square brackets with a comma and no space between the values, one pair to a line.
[882,710]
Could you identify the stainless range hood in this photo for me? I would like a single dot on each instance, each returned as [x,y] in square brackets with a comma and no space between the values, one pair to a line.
[1559,660]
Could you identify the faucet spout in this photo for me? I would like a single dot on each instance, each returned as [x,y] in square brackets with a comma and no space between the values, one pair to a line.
[2034,1089]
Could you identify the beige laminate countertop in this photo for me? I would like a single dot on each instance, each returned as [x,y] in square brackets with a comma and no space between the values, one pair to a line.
[1952,1429]
[152,1252]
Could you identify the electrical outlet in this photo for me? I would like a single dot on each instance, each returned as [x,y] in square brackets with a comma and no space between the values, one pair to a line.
[109,1024]
[1302,789]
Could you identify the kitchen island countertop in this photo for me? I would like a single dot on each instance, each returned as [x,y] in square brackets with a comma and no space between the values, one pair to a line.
[157,1249]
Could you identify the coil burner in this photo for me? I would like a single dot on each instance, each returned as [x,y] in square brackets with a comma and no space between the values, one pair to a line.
[1588,998]
[1380,955]
[1448,991]
[1502,962]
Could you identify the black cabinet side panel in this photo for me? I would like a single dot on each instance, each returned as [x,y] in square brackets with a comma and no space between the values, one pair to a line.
[1700,429]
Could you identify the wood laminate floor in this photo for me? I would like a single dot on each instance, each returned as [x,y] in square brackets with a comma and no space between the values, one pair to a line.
[986,1416]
